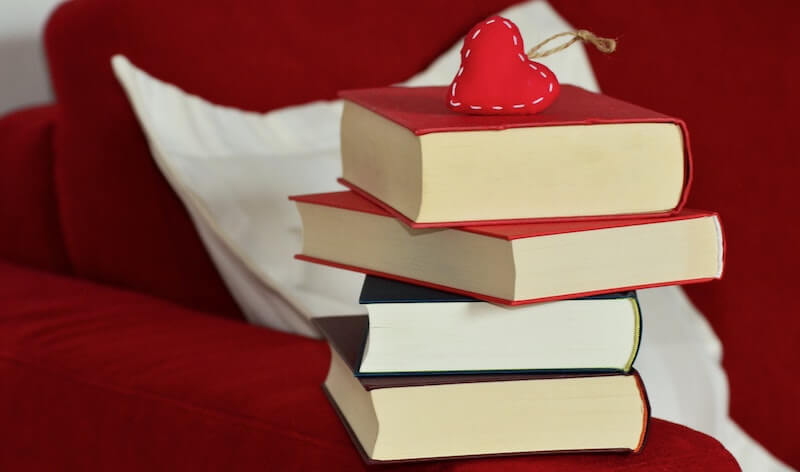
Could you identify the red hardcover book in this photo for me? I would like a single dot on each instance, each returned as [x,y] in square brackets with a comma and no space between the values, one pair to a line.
[588,156]
[516,263]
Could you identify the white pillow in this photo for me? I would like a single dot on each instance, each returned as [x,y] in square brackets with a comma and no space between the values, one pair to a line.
[234,171]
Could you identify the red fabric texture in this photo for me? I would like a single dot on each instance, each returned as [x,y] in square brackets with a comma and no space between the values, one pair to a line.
[678,58]
[496,77]
[121,223]
[96,378]
[30,232]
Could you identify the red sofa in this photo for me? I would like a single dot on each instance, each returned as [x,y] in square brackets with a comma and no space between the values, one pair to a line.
[121,348]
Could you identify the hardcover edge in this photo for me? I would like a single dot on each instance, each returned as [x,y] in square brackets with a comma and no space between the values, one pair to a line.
[457,224]
[626,369]
[723,241]
[648,412]
[609,222]
[347,95]
[576,371]
[638,331]
[659,118]
[370,461]
[456,377]
[490,298]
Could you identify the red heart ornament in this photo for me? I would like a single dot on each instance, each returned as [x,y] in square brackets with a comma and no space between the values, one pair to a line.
[496,77]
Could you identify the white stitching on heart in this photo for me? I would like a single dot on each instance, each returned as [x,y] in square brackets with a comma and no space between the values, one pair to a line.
[521,57]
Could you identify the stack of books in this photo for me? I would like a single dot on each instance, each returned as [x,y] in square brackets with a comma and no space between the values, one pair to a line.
[503,253]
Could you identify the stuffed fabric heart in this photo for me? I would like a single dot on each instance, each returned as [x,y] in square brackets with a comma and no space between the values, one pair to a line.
[496,77]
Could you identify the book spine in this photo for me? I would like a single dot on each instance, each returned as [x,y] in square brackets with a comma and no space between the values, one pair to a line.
[647,412]
[637,313]
[688,166]
[489,298]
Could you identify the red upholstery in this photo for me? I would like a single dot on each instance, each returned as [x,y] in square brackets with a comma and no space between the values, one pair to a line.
[121,222]
[79,192]
[739,100]
[100,379]
[111,193]
[29,224]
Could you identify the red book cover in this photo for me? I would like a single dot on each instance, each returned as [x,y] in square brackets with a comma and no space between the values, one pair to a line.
[353,202]
[423,110]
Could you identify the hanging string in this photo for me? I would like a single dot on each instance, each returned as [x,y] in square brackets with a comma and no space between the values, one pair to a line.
[606,45]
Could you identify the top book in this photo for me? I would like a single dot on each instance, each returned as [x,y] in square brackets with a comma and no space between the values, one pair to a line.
[587,156]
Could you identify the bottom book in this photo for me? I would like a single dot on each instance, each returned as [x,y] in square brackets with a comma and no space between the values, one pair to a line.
[406,418]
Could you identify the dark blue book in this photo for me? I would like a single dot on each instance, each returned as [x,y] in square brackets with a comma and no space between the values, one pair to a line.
[381,290]
[416,330]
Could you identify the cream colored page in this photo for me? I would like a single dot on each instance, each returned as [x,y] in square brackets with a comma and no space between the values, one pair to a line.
[442,256]
[572,334]
[552,171]
[506,417]
[617,257]
[382,158]
[353,402]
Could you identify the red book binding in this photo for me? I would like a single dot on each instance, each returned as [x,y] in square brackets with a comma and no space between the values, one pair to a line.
[423,110]
[353,202]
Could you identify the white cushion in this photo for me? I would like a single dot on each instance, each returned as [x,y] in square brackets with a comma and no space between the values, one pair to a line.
[234,170]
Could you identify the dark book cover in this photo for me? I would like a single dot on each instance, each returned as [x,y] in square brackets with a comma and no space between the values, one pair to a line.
[382,290]
[344,335]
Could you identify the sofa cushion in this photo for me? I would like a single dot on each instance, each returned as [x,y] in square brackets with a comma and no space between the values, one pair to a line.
[742,120]
[743,168]
[96,378]
[234,169]
[30,232]
[122,224]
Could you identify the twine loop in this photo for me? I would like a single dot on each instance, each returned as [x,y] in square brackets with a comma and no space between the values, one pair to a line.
[606,45]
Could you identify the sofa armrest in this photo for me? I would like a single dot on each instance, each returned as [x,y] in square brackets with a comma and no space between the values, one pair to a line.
[95,378]
[29,225]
